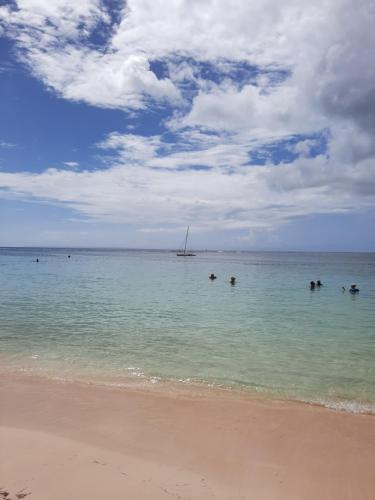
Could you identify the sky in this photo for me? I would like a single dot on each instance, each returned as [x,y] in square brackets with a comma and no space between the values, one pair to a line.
[252,121]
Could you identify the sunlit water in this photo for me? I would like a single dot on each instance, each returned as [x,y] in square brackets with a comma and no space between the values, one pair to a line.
[153,316]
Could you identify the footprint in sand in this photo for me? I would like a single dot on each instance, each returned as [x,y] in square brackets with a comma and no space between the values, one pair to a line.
[22,494]
[99,463]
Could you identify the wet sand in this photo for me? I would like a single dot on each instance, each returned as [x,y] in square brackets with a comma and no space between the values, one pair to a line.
[69,440]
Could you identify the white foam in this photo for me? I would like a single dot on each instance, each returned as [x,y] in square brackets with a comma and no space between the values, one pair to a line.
[348,406]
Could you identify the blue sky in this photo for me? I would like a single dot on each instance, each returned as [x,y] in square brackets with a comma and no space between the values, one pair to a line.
[122,122]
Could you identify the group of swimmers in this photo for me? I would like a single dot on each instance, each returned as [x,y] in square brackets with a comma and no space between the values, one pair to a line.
[232,280]
[353,288]
[314,285]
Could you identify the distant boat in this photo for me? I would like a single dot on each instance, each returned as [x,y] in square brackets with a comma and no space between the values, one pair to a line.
[185,253]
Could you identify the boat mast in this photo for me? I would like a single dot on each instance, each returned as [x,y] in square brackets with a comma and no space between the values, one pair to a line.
[186,238]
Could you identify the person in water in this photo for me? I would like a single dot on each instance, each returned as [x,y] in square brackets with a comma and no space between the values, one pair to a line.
[232,280]
[212,276]
[319,283]
[312,285]
[354,289]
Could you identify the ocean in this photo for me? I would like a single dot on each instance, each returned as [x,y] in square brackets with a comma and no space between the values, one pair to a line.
[140,318]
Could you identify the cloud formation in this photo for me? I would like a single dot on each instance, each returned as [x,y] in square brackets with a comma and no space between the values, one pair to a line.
[235,83]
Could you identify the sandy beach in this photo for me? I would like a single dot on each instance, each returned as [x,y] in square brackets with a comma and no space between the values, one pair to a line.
[69,440]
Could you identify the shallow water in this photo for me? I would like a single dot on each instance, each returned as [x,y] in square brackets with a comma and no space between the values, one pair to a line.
[150,316]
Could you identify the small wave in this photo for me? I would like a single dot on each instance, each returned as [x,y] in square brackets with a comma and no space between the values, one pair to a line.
[134,371]
[357,407]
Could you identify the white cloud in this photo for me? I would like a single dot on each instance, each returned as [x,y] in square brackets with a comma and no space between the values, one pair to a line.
[325,45]
[250,110]
[135,192]
[131,147]
[52,40]
[71,164]
[53,37]
[304,147]
[111,81]
[309,68]
[6,144]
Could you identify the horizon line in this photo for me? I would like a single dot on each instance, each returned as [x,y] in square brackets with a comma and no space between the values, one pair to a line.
[206,250]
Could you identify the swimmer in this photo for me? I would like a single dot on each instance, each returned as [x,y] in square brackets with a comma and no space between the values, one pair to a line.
[353,289]
[212,277]
[312,285]
[232,280]
[37,260]
[319,283]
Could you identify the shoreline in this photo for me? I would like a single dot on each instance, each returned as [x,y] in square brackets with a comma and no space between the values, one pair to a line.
[104,442]
[155,384]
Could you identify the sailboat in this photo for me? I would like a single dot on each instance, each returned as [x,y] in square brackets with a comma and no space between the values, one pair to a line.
[185,253]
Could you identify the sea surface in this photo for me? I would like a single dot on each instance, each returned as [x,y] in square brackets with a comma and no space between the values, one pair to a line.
[126,316]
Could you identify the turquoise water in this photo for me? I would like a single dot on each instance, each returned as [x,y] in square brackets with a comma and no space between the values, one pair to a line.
[151,316]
